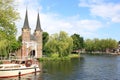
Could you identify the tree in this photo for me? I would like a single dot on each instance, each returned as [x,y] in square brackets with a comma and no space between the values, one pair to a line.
[45,37]
[78,42]
[20,39]
[102,45]
[60,44]
[89,45]
[16,44]
[8,16]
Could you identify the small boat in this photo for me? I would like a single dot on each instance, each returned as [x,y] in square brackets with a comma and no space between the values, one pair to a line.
[15,69]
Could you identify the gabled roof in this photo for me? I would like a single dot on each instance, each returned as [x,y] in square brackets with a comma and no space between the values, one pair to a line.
[26,23]
[38,25]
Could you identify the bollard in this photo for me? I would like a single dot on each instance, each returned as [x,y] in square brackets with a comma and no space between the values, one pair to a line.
[35,70]
[19,74]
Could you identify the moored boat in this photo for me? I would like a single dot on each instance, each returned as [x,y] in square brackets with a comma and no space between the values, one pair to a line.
[14,70]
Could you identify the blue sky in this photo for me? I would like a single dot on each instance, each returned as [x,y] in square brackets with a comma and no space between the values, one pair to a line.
[89,18]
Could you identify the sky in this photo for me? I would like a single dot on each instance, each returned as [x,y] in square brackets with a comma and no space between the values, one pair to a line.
[88,18]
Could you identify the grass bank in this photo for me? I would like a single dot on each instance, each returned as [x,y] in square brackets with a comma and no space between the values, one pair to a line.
[56,58]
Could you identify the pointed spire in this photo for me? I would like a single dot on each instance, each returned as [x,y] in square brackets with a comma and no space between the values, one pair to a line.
[26,23]
[38,26]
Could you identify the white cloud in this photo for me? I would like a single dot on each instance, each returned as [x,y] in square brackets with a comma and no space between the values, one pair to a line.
[88,3]
[89,25]
[106,10]
[53,23]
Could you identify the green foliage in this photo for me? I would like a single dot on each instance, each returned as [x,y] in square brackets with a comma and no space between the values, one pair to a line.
[20,39]
[54,59]
[100,45]
[15,46]
[54,55]
[78,42]
[45,37]
[8,30]
[59,44]
[74,55]
[89,45]
[19,42]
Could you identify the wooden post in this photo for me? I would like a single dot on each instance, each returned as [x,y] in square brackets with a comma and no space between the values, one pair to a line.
[19,74]
[35,70]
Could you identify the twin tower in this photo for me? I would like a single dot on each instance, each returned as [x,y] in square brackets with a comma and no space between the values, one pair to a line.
[31,43]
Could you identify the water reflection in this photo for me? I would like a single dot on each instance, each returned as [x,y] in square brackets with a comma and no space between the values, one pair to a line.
[60,70]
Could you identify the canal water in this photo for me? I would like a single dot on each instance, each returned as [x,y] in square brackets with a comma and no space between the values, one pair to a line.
[88,67]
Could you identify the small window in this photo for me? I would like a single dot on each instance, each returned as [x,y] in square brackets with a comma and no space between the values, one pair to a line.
[23,62]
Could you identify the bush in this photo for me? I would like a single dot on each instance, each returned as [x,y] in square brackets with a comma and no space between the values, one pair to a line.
[55,55]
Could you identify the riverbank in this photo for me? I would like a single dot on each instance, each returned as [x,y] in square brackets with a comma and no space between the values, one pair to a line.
[59,58]
[102,54]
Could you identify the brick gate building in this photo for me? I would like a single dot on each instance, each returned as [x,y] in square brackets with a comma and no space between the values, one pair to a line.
[31,43]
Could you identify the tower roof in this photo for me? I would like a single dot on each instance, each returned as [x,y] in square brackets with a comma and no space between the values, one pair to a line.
[38,25]
[26,23]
